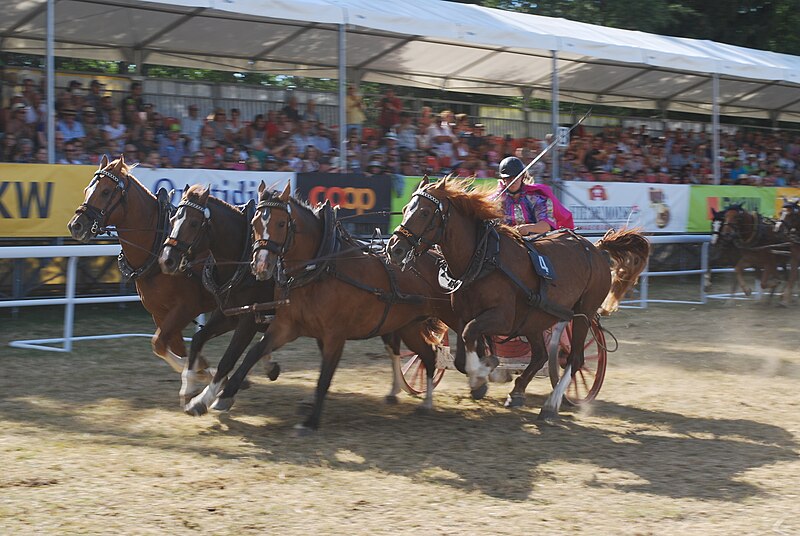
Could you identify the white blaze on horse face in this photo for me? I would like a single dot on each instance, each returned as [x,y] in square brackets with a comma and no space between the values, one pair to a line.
[784,215]
[411,208]
[89,190]
[262,255]
[716,225]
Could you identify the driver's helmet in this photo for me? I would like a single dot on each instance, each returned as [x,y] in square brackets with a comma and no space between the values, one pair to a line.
[510,167]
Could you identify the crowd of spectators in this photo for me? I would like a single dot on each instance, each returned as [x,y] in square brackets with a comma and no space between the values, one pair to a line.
[90,123]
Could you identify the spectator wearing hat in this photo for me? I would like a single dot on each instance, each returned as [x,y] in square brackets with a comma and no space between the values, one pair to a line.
[192,124]
[70,126]
[373,168]
[16,122]
[173,146]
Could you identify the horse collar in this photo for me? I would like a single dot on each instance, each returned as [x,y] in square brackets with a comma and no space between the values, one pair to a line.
[165,210]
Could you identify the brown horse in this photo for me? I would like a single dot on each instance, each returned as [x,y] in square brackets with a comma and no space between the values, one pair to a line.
[753,236]
[512,286]
[788,227]
[336,292]
[209,231]
[115,198]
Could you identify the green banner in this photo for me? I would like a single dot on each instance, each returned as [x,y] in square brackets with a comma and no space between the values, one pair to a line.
[409,185]
[704,198]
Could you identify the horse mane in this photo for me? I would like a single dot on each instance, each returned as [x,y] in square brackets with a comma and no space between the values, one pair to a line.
[476,203]
[196,189]
[118,165]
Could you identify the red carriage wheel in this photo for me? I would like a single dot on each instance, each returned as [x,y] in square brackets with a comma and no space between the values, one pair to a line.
[414,376]
[586,383]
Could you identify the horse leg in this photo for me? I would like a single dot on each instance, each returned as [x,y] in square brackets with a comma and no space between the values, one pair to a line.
[276,336]
[413,338]
[489,322]
[391,342]
[460,358]
[794,263]
[580,328]
[516,398]
[196,369]
[331,354]
[739,270]
[168,341]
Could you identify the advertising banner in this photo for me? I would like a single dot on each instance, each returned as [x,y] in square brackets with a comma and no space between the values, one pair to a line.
[705,197]
[359,198]
[37,200]
[234,187]
[656,208]
[409,185]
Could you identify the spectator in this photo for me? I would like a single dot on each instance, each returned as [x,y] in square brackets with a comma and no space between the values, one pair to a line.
[390,107]
[71,154]
[373,168]
[290,110]
[254,131]
[135,97]
[69,126]
[354,107]
[310,159]
[192,125]
[148,143]
[94,97]
[41,156]
[235,127]
[17,123]
[115,131]
[94,134]
[406,133]
[173,146]
[311,115]
[9,151]
[303,138]
[441,139]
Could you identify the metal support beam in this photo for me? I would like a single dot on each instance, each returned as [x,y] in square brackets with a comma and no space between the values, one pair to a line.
[343,98]
[51,82]
[555,155]
[715,127]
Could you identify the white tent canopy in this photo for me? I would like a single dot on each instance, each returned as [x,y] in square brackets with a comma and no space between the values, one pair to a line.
[421,43]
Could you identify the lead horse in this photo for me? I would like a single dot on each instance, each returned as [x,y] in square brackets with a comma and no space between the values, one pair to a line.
[115,198]
[513,286]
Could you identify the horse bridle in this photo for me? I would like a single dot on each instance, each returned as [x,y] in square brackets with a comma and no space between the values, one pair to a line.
[269,244]
[793,209]
[186,249]
[98,216]
[416,241]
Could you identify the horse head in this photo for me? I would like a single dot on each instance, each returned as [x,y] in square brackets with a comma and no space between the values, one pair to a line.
[107,190]
[789,219]
[732,220]
[188,230]
[423,225]
[273,230]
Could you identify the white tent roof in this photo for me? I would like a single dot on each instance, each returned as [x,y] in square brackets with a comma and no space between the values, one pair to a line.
[422,43]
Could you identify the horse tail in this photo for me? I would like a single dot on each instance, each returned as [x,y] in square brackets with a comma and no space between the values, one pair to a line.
[628,250]
[433,331]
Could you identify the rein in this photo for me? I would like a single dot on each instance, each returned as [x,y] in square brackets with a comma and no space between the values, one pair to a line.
[165,211]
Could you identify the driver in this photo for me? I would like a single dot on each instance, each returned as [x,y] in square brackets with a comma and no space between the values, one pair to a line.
[531,207]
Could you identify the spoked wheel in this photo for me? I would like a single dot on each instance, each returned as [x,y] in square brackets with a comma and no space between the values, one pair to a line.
[414,374]
[586,383]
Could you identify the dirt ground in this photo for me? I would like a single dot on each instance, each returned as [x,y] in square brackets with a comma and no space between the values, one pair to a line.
[696,431]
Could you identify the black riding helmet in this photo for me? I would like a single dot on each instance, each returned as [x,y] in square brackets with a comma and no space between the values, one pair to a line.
[510,167]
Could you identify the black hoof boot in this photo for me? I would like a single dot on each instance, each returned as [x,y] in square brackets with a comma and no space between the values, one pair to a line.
[515,401]
[480,392]
[274,372]
[391,400]
[222,404]
[548,415]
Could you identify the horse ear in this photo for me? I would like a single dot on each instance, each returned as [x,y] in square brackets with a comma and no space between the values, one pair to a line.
[424,182]
[122,159]
[261,187]
[714,213]
[186,187]
[103,162]
[204,194]
[286,192]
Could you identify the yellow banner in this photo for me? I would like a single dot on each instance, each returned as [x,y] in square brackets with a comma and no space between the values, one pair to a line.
[37,200]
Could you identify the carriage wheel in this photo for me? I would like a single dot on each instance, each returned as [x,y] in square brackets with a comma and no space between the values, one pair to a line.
[414,375]
[586,383]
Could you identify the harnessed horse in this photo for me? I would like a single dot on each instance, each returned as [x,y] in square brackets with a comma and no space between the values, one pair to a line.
[788,227]
[510,286]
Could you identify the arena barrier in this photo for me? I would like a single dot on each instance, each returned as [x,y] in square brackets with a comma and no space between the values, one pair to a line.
[69,300]
[75,252]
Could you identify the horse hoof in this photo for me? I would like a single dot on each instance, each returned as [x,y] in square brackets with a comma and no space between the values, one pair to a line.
[222,404]
[390,399]
[301,430]
[274,372]
[480,392]
[423,410]
[515,401]
[246,384]
[195,410]
[547,415]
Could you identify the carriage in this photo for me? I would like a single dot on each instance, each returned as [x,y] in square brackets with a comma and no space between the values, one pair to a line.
[514,355]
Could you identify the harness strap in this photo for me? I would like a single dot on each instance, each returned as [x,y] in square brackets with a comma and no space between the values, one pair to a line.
[165,211]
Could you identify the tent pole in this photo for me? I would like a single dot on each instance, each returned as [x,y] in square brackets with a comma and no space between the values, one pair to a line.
[715,127]
[51,82]
[556,155]
[342,100]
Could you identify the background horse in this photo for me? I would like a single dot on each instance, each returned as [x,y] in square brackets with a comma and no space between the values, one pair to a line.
[336,292]
[501,291]
[209,232]
[753,236]
[115,198]
[788,227]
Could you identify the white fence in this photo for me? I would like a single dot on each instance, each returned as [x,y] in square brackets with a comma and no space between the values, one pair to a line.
[73,253]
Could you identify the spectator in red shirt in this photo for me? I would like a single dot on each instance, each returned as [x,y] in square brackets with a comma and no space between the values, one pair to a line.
[390,108]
